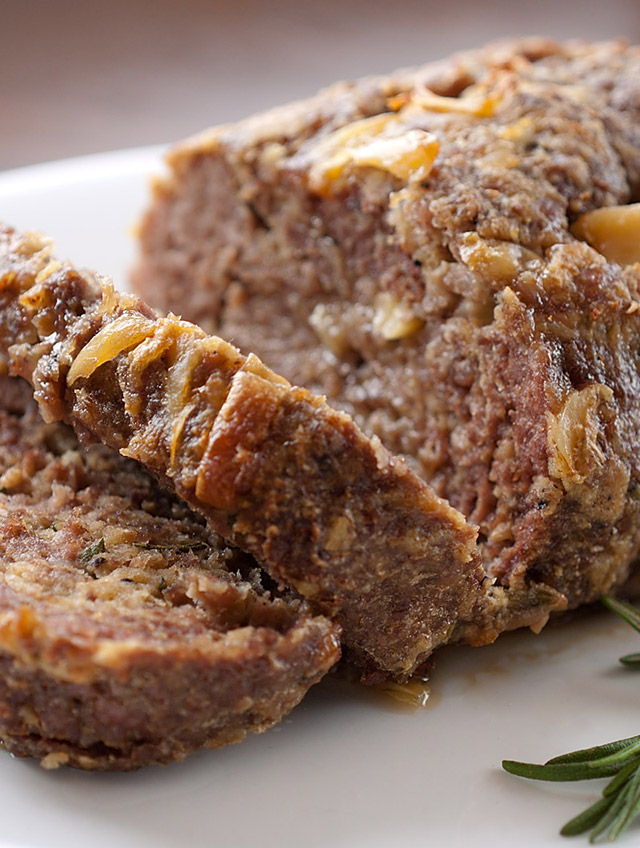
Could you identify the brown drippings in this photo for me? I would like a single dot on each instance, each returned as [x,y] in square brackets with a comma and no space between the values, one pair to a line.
[416,694]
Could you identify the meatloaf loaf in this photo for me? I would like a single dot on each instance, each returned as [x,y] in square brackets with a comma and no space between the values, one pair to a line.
[448,255]
[127,634]
[324,509]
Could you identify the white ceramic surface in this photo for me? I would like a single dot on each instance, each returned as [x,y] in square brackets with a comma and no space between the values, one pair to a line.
[348,769]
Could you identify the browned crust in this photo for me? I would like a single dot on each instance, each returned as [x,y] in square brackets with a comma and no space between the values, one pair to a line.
[343,102]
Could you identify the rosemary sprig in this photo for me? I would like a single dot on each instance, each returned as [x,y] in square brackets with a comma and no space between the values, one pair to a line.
[620,803]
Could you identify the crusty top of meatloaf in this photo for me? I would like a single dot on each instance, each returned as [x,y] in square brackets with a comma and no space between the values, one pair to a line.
[448,254]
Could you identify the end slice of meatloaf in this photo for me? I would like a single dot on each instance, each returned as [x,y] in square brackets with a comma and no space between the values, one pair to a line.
[128,636]
[446,254]
[323,508]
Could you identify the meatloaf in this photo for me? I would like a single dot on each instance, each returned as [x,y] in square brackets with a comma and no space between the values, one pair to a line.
[130,634]
[324,509]
[449,254]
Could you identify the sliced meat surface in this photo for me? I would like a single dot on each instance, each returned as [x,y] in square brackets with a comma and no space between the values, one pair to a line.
[130,634]
[324,509]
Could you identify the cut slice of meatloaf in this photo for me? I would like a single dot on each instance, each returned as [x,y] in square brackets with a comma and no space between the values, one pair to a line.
[324,509]
[127,634]
[446,254]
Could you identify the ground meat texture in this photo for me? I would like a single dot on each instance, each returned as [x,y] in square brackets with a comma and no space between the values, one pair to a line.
[128,636]
[406,246]
[326,511]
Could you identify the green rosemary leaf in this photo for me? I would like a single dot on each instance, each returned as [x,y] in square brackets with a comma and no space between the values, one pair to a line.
[621,757]
[631,615]
[627,612]
[608,819]
[561,771]
[92,550]
[620,803]
[585,755]
[587,819]
[629,809]
[616,783]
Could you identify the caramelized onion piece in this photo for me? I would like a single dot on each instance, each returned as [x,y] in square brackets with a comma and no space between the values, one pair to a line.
[494,259]
[409,156]
[479,105]
[573,434]
[125,332]
[377,142]
[613,231]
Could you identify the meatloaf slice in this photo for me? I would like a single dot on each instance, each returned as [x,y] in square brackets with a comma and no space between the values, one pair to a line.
[324,509]
[127,634]
[408,247]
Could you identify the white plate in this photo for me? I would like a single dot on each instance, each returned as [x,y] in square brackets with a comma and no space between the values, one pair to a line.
[347,769]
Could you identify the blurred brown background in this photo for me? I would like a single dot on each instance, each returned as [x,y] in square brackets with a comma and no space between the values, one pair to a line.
[79,76]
